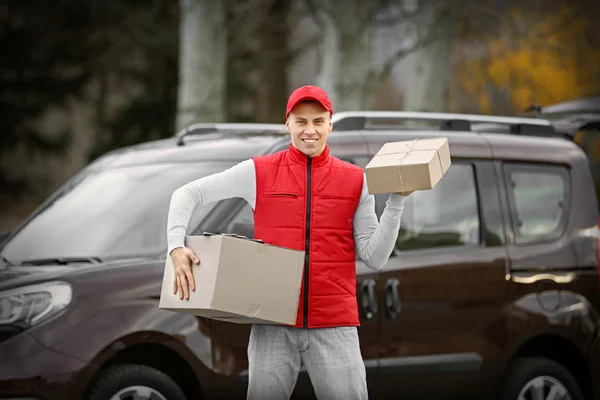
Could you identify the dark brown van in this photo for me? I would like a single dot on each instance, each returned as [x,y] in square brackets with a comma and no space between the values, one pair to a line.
[492,291]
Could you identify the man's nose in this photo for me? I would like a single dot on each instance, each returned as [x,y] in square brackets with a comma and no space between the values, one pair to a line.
[310,128]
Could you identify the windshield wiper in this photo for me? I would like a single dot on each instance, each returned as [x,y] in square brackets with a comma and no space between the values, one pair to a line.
[6,263]
[63,261]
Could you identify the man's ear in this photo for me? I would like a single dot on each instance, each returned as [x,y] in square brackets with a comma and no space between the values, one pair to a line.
[287,125]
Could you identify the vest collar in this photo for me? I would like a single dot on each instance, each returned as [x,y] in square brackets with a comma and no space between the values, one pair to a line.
[301,158]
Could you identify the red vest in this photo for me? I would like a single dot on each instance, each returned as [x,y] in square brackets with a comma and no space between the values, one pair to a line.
[308,204]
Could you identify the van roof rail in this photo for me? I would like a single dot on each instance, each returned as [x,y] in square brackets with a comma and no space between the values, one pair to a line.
[228,127]
[365,120]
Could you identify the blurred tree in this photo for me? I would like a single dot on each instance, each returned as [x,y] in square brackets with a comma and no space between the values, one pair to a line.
[427,68]
[122,59]
[120,56]
[346,49]
[543,54]
[257,36]
[135,73]
[43,62]
[202,68]
[258,58]
[273,59]
[347,69]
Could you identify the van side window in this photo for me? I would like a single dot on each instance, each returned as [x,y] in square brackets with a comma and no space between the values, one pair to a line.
[242,223]
[538,199]
[446,215]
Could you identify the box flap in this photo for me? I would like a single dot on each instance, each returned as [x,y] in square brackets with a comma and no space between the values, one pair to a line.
[402,158]
[411,145]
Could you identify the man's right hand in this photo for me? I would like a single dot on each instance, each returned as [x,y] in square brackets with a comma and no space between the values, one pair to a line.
[183,258]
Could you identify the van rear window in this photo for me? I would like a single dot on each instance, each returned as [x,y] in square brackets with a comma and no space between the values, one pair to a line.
[539,201]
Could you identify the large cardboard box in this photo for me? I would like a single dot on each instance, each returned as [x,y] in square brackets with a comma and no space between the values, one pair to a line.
[239,280]
[408,165]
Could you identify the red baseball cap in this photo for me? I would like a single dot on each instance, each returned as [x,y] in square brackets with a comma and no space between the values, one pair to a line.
[308,92]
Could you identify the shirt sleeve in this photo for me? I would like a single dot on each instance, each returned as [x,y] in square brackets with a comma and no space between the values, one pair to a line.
[375,240]
[237,181]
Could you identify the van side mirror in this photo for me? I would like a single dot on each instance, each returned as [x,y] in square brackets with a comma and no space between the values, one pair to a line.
[4,235]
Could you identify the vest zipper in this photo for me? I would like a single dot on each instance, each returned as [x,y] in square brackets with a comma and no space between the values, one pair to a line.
[307,242]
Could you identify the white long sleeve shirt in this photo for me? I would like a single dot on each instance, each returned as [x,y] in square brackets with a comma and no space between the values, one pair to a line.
[374,240]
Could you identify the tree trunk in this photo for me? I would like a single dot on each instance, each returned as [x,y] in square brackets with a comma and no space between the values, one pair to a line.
[202,69]
[345,52]
[427,75]
[271,92]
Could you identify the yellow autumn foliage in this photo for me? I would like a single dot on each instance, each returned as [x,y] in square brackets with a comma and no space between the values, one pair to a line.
[536,59]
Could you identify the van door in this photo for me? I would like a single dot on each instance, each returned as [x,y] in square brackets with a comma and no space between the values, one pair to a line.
[553,252]
[443,290]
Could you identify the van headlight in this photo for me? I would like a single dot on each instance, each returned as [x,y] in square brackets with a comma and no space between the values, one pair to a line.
[27,306]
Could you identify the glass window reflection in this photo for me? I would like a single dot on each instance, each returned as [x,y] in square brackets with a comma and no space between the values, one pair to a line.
[446,215]
[110,213]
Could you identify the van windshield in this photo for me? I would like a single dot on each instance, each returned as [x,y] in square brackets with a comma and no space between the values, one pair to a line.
[111,213]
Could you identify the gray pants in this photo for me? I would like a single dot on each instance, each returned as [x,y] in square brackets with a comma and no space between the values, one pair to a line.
[331,356]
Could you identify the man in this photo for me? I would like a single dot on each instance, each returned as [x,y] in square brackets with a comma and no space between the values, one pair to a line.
[303,198]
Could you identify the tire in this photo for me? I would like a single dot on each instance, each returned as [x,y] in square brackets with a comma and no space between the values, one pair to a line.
[525,373]
[122,382]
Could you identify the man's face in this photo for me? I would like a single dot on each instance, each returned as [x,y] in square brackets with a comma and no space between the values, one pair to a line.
[309,124]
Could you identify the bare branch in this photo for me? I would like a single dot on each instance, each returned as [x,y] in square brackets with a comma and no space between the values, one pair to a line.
[288,55]
[400,16]
[307,44]
[249,16]
[437,29]
[368,14]
[387,67]
[140,28]
[319,12]
[247,19]
[297,51]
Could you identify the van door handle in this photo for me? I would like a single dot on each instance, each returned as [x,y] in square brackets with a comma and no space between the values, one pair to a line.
[368,298]
[392,298]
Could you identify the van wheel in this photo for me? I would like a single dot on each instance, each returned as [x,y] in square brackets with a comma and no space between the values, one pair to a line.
[135,382]
[540,378]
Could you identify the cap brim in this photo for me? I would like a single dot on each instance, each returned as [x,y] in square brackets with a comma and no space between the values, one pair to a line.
[305,98]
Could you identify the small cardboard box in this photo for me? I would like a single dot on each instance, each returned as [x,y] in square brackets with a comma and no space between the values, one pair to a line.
[238,280]
[408,165]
